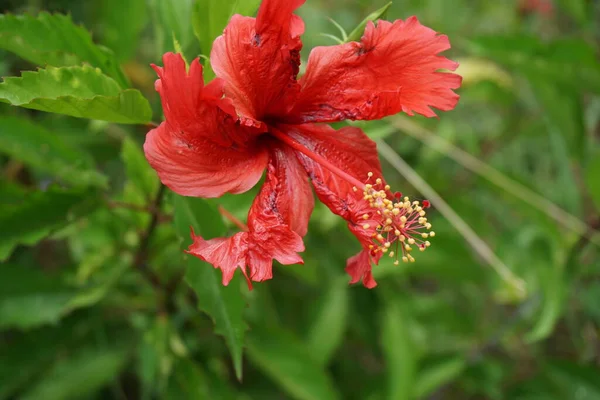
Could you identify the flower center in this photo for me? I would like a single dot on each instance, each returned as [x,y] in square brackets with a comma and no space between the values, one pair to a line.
[401,224]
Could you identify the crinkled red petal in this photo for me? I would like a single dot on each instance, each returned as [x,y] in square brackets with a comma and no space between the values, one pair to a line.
[201,150]
[259,59]
[394,68]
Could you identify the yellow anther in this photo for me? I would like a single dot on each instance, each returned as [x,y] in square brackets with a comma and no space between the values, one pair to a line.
[428,225]
[392,254]
[402,238]
[427,244]
[387,187]
[404,259]
[397,232]
[411,258]
[388,221]
[366,226]
[387,244]
[365,216]
[407,247]
[371,247]
[422,213]
[403,219]
[384,250]
[421,248]
[396,262]
[411,241]
[431,234]
[380,238]
[424,235]
[369,174]
[354,189]
[378,181]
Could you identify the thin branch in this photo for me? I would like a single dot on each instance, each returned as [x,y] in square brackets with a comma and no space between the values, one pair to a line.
[141,257]
[459,224]
[497,178]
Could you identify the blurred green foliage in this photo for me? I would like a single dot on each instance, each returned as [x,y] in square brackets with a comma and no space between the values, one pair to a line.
[98,301]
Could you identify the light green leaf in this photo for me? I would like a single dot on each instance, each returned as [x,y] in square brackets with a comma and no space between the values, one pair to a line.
[139,172]
[357,33]
[172,22]
[42,212]
[290,364]
[592,177]
[327,331]
[82,92]
[436,374]
[46,152]
[399,352]
[55,40]
[224,304]
[84,372]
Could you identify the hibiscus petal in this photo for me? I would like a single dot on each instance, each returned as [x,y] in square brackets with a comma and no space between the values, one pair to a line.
[394,68]
[259,59]
[359,268]
[228,254]
[348,149]
[200,150]
[268,238]
[293,196]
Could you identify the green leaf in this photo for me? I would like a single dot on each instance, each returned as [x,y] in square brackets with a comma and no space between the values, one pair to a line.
[82,92]
[30,297]
[153,356]
[188,381]
[327,331]
[120,31]
[42,212]
[399,351]
[357,33]
[224,304]
[210,17]
[569,378]
[290,364]
[592,177]
[55,40]
[47,153]
[139,172]
[438,373]
[84,372]
[172,22]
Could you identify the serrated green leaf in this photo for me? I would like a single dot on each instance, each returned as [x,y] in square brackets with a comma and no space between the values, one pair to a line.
[289,363]
[39,214]
[399,351]
[53,39]
[46,152]
[224,304]
[139,172]
[327,330]
[82,92]
[82,373]
[357,32]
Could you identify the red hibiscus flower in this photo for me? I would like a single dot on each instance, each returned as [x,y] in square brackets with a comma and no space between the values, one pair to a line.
[257,115]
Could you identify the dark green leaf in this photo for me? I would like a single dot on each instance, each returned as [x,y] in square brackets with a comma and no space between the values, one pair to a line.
[41,213]
[224,304]
[399,351]
[290,364]
[438,373]
[139,172]
[82,92]
[327,330]
[173,23]
[55,40]
[84,372]
[46,152]
[592,177]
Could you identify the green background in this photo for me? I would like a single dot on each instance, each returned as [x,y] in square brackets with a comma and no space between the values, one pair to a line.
[98,302]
